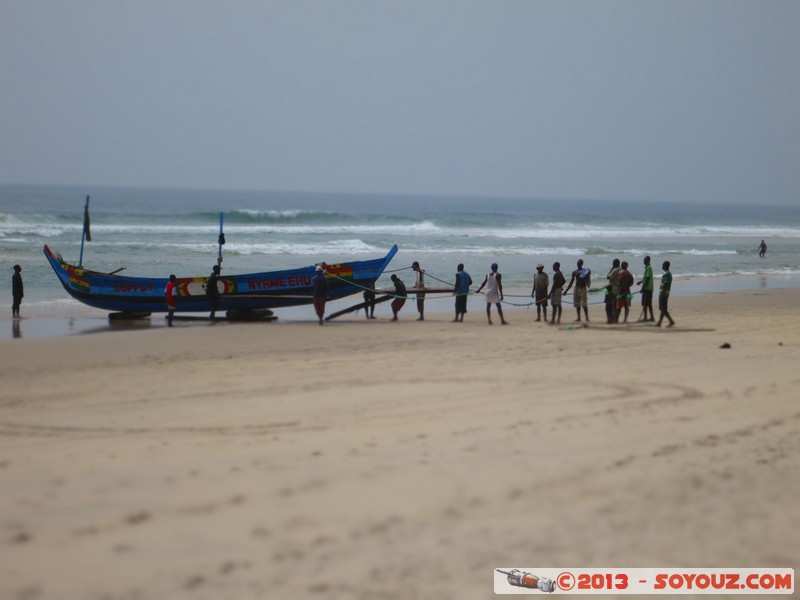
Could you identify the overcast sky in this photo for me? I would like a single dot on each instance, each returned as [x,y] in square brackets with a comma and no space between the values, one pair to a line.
[653,100]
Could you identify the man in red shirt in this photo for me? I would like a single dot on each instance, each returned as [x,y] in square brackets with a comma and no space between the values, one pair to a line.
[171,292]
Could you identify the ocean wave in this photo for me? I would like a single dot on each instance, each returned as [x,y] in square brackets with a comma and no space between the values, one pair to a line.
[338,248]
[495,250]
[300,222]
[606,251]
[39,231]
[98,230]
[13,219]
[777,271]
[565,251]
[341,248]
[696,252]
[269,216]
[572,231]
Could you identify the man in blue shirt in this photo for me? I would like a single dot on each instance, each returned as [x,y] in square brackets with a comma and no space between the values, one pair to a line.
[461,291]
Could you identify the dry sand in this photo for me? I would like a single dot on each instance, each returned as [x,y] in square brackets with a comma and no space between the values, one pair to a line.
[397,460]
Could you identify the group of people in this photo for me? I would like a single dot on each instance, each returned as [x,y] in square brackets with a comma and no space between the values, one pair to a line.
[400,292]
[212,294]
[319,284]
[618,293]
[617,299]
[492,282]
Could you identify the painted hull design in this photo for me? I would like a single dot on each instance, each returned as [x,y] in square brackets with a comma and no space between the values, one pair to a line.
[247,292]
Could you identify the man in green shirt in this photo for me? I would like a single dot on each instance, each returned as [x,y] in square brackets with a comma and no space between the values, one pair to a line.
[663,295]
[647,291]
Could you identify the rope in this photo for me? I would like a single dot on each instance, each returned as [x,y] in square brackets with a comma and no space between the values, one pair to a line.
[369,289]
[437,279]
[516,304]
[353,283]
[397,270]
[469,293]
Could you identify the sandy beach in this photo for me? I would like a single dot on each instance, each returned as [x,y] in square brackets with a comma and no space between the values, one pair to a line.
[379,460]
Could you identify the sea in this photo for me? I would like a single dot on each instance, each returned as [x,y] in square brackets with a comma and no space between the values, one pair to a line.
[154,232]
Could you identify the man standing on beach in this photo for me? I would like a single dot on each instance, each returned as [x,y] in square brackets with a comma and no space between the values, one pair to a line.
[762,249]
[17,291]
[212,292]
[320,286]
[399,296]
[419,284]
[461,291]
[624,296]
[555,294]
[582,278]
[647,291]
[171,293]
[494,293]
[663,295]
[541,283]
[612,291]
[369,301]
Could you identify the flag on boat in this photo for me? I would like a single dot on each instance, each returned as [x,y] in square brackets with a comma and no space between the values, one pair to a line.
[86,221]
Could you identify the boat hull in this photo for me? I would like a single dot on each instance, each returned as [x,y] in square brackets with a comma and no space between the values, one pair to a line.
[245,292]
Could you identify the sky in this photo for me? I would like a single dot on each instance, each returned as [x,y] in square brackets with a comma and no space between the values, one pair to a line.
[634,100]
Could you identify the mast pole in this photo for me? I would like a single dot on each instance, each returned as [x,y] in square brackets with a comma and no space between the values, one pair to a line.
[221,240]
[85,224]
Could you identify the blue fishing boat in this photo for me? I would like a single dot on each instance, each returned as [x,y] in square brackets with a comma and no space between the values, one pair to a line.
[240,294]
